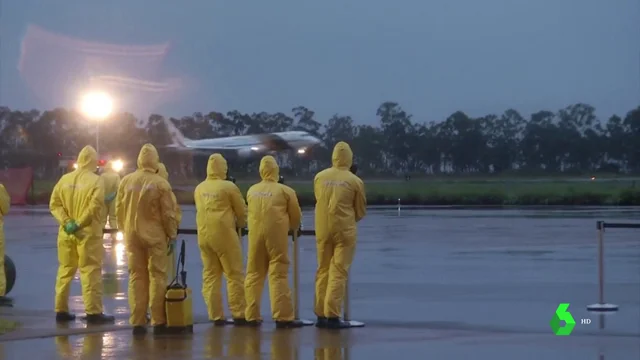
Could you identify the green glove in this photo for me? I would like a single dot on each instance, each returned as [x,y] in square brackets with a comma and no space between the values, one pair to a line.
[110,197]
[70,227]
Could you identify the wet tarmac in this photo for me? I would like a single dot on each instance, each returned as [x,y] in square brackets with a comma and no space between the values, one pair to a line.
[438,283]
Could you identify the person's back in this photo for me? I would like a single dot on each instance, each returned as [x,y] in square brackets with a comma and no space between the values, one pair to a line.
[140,206]
[273,211]
[220,210]
[146,214]
[77,193]
[111,180]
[77,203]
[340,204]
[340,197]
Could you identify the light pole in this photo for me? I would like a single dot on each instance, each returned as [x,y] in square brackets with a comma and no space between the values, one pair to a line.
[97,106]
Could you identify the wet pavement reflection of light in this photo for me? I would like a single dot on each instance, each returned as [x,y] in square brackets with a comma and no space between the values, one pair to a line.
[440,277]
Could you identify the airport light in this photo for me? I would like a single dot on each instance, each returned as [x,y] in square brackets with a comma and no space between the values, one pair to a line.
[117,165]
[96,106]
[301,151]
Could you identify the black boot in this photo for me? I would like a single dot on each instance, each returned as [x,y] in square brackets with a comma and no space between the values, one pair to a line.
[239,321]
[62,317]
[101,318]
[139,330]
[220,322]
[160,329]
[336,323]
[321,322]
[289,324]
[253,323]
[6,301]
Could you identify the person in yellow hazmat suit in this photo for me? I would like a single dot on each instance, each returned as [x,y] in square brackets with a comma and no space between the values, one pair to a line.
[77,203]
[111,180]
[5,203]
[162,171]
[273,210]
[146,213]
[340,203]
[220,210]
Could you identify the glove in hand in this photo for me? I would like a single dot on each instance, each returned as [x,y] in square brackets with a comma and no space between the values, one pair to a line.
[70,227]
[110,197]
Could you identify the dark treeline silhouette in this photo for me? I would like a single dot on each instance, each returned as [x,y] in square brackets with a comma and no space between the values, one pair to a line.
[571,140]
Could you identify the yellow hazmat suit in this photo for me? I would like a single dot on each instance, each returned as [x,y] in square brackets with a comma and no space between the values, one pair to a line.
[147,216]
[171,263]
[273,211]
[5,203]
[220,210]
[340,203]
[79,197]
[111,180]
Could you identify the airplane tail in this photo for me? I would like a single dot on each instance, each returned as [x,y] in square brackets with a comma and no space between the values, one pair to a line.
[177,138]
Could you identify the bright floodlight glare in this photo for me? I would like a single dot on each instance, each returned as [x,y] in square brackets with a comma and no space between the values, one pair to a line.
[301,151]
[119,236]
[96,105]
[254,148]
[75,165]
[117,165]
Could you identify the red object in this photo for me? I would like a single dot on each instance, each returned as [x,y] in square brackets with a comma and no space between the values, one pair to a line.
[17,182]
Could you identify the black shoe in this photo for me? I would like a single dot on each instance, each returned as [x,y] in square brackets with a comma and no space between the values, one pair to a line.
[220,322]
[6,301]
[336,323]
[139,330]
[289,324]
[253,323]
[96,319]
[240,322]
[321,322]
[65,317]
[160,329]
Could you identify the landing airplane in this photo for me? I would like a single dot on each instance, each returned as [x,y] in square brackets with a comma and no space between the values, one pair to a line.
[245,146]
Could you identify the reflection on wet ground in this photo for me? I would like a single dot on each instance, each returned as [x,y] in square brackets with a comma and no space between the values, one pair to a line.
[440,283]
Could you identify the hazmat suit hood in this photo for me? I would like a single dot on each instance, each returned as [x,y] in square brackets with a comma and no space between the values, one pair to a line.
[162,171]
[108,167]
[269,169]
[342,157]
[216,167]
[148,159]
[88,159]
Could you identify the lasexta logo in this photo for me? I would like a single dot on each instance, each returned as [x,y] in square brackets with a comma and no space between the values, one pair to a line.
[562,315]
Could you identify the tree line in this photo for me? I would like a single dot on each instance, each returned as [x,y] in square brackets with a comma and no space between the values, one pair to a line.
[570,140]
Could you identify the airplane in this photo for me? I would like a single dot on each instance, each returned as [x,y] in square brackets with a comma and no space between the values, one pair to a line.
[245,146]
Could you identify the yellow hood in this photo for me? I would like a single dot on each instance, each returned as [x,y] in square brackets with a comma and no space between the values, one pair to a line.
[269,169]
[108,167]
[148,158]
[342,157]
[87,159]
[216,167]
[162,171]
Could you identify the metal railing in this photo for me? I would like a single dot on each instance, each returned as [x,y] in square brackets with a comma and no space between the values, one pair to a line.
[601,306]
[296,269]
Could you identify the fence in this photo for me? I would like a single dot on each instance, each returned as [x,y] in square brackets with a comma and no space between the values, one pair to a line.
[296,272]
[601,306]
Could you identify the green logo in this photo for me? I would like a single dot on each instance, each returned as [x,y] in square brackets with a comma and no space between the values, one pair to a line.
[562,315]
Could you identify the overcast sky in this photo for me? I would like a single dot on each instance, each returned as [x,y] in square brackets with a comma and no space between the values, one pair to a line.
[334,56]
